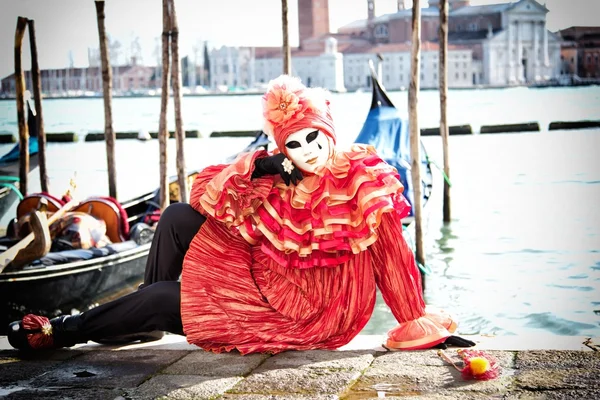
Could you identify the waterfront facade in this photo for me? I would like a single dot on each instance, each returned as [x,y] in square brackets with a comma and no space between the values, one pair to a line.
[323,68]
[514,47]
[580,52]
[492,45]
[510,42]
[127,79]
[232,68]
[394,66]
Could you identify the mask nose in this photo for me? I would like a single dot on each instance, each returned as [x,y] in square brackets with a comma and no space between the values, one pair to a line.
[307,150]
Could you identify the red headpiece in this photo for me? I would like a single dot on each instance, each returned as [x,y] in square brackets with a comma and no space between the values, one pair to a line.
[289,106]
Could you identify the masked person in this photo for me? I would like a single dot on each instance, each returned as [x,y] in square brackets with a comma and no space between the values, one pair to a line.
[276,252]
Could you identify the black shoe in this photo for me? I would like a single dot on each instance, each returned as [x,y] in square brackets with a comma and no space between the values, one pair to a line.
[58,332]
[17,337]
[131,337]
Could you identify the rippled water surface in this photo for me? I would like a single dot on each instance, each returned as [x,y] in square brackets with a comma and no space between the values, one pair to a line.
[522,253]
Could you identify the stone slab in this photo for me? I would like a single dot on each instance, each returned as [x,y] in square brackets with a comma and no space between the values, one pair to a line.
[333,360]
[557,360]
[292,381]
[19,368]
[59,393]
[228,396]
[556,395]
[555,379]
[419,372]
[183,387]
[211,364]
[108,369]
[536,341]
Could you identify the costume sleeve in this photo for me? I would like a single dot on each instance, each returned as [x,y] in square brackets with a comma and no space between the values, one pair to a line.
[227,193]
[399,281]
[396,271]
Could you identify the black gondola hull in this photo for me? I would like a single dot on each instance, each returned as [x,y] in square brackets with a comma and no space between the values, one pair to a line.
[62,289]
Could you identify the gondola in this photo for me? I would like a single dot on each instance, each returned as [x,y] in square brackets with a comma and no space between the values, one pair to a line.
[386,129]
[65,281]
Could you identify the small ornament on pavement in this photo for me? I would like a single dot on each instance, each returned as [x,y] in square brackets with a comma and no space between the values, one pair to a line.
[477,364]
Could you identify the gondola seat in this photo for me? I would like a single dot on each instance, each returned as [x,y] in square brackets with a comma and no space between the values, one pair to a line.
[111,212]
[106,209]
[68,256]
[32,201]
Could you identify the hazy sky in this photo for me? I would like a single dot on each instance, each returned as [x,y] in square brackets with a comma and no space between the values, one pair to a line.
[69,26]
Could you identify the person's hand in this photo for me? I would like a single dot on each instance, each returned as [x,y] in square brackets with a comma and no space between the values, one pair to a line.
[455,341]
[277,164]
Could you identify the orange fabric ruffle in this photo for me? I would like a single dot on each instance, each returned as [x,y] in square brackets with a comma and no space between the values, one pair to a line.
[227,192]
[323,221]
[420,333]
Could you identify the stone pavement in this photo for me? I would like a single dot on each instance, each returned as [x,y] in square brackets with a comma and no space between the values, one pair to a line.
[534,367]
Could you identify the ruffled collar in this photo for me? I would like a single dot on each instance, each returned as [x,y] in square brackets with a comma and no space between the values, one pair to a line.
[331,214]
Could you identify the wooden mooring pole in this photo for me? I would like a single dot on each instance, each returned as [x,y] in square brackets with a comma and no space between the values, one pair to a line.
[163,133]
[179,133]
[444,131]
[39,116]
[287,53]
[20,97]
[109,133]
[415,133]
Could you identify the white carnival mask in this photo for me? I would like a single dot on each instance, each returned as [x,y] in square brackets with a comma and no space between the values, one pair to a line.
[308,149]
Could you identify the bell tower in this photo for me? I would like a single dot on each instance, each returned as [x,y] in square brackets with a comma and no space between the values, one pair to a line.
[371,19]
[371,9]
[313,18]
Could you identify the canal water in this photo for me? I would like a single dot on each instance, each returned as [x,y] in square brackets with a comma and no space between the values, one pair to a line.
[522,253]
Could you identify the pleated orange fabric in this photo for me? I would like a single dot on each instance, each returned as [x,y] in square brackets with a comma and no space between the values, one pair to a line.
[277,268]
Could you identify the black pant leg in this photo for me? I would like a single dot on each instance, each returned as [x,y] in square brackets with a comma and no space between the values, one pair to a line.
[156,307]
[176,228]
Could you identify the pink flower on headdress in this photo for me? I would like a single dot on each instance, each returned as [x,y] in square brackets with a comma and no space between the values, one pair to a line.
[284,101]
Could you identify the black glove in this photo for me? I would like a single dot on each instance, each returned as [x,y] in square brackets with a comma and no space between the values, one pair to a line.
[456,341]
[273,165]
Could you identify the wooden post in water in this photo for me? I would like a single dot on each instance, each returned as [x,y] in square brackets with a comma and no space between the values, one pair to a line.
[163,133]
[444,131]
[287,53]
[109,133]
[415,133]
[20,93]
[37,96]
[179,134]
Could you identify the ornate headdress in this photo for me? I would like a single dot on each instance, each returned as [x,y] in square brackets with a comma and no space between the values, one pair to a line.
[289,106]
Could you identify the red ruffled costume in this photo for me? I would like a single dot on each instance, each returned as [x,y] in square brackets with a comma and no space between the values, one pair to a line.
[278,267]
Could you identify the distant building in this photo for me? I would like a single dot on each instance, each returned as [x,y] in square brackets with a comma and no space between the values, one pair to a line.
[232,67]
[510,42]
[393,28]
[395,71]
[84,81]
[580,52]
[313,19]
[317,61]
[249,67]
